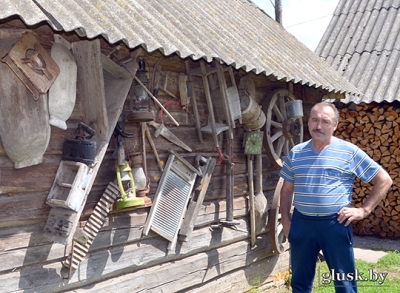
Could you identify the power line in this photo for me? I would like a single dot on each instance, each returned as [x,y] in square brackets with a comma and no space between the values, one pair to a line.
[307,21]
[273,5]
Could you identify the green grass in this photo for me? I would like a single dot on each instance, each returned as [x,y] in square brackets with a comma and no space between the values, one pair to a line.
[389,264]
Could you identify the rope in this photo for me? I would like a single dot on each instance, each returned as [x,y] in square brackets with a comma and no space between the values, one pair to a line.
[222,157]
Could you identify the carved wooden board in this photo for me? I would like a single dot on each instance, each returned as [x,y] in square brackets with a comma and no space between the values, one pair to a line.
[62,93]
[25,129]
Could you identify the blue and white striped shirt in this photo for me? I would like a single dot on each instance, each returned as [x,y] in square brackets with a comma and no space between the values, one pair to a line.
[323,182]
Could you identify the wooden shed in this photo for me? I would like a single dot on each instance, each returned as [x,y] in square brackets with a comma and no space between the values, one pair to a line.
[202,98]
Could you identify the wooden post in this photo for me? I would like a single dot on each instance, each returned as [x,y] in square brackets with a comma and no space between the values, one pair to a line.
[278,11]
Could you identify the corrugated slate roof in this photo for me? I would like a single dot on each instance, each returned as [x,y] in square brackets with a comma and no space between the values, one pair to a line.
[362,42]
[236,32]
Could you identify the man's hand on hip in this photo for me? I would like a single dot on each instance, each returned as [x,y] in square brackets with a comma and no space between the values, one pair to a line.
[351,214]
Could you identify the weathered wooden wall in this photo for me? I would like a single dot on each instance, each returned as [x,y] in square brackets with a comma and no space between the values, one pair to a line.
[121,259]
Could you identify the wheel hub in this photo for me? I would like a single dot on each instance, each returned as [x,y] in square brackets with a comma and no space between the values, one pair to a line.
[291,128]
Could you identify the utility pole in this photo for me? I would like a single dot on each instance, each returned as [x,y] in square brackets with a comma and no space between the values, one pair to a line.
[278,11]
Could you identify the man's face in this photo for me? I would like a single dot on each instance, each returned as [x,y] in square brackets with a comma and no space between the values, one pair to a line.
[321,123]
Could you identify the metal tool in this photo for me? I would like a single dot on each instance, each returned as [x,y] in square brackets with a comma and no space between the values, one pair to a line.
[162,130]
[81,149]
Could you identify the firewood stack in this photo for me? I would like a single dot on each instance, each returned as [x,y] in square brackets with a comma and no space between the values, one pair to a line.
[375,128]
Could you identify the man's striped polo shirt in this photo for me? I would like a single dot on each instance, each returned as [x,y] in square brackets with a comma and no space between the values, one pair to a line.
[323,181]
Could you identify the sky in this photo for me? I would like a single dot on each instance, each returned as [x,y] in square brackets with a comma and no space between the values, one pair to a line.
[307,20]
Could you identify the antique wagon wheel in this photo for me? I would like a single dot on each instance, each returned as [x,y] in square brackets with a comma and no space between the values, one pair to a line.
[278,240]
[281,131]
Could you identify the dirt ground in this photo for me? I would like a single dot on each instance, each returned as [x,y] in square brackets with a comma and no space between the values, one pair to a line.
[375,243]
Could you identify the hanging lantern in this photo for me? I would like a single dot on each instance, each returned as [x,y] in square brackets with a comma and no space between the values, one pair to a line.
[138,173]
[140,105]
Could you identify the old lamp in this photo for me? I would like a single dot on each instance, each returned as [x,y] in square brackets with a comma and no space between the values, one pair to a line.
[140,106]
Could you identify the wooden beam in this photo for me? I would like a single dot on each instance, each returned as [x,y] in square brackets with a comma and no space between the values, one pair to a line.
[91,86]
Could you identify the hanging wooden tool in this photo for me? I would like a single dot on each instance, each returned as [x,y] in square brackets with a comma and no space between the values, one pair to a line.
[193,100]
[165,83]
[93,225]
[206,165]
[36,69]
[260,200]
[253,146]
[24,128]
[251,201]
[229,98]
[62,93]
[183,90]
[212,128]
[229,221]
[68,189]
[153,147]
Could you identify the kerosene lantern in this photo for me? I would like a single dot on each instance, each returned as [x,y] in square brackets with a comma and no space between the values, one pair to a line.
[140,105]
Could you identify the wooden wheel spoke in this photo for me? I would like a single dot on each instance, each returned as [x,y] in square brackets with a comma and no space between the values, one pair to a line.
[277,135]
[278,113]
[282,107]
[278,240]
[278,128]
[291,142]
[276,124]
[279,229]
[279,147]
[286,147]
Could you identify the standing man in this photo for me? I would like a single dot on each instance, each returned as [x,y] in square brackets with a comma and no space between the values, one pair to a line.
[320,174]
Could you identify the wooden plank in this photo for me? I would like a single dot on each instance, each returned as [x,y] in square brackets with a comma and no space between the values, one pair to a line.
[201,268]
[112,70]
[35,179]
[10,33]
[23,209]
[138,256]
[196,201]
[91,86]
[249,277]
[112,97]
[30,246]
[183,91]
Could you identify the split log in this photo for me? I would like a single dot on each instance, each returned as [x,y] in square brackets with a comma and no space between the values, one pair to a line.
[375,128]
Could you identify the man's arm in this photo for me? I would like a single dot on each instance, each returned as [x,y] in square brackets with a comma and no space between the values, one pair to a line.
[382,183]
[286,205]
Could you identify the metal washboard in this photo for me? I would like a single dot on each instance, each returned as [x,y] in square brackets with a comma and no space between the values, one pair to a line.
[171,199]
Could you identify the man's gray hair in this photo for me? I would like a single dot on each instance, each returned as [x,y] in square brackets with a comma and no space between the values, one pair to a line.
[327,104]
